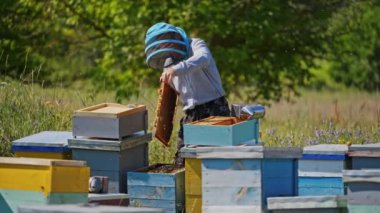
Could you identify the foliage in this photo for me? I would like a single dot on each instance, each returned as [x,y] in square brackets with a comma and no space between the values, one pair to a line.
[266,47]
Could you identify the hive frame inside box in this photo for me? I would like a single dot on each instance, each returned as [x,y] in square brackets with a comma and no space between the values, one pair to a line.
[157,190]
[113,158]
[87,122]
[46,144]
[222,131]
[320,170]
[231,171]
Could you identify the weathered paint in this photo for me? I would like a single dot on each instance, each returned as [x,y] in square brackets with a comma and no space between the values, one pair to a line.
[321,168]
[193,185]
[353,208]
[84,208]
[42,177]
[113,158]
[47,144]
[366,156]
[113,199]
[158,190]
[315,186]
[307,204]
[245,132]
[11,199]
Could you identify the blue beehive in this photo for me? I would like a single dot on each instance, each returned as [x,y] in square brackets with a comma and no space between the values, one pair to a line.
[320,170]
[363,190]
[366,156]
[240,178]
[113,158]
[222,131]
[157,189]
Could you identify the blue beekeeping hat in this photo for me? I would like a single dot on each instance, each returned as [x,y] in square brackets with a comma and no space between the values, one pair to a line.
[164,41]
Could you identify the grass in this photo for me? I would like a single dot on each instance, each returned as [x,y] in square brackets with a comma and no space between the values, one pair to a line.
[315,117]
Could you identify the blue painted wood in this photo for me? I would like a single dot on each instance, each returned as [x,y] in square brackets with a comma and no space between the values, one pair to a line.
[321,168]
[320,186]
[365,163]
[159,190]
[47,141]
[152,192]
[323,157]
[241,133]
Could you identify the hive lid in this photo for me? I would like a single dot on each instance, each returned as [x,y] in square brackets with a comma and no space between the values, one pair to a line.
[45,139]
[39,162]
[110,110]
[108,144]
[364,175]
[365,147]
[326,149]
[240,152]
[306,202]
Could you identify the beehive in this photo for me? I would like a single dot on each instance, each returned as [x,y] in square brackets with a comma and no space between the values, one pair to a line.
[320,170]
[307,204]
[366,156]
[363,190]
[112,199]
[221,131]
[108,120]
[113,158]
[44,181]
[240,178]
[159,189]
[47,144]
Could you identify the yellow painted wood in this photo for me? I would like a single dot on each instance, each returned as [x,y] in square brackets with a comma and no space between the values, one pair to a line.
[48,155]
[193,185]
[43,176]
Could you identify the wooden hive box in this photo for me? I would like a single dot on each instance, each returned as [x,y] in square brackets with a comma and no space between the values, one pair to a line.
[307,204]
[108,120]
[320,170]
[43,181]
[157,189]
[363,190]
[48,144]
[240,178]
[366,156]
[84,209]
[113,158]
[221,131]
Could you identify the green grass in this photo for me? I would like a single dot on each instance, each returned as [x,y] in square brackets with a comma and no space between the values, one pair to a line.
[315,117]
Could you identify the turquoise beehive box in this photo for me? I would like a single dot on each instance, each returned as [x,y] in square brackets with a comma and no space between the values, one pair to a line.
[222,131]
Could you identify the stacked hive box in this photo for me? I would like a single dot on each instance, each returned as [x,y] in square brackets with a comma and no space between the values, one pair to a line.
[320,170]
[363,190]
[113,199]
[239,178]
[48,144]
[113,158]
[365,156]
[112,138]
[157,189]
[44,181]
[307,204]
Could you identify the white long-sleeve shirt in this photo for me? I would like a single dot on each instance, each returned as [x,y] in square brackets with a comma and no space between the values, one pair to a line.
[197,78]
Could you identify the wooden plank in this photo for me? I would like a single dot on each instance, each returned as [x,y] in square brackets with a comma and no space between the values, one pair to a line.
[364,175]
[39,162]
[109,110]
[363,208]
[231,196]
[367,154]
[231,178]
[48,155]
[365,163]
[323,157]
[45,139]
[365,147]
[315,186]
[71,208]
[166,205]
[108,196]
[152,192]
[63,198]
[193,203]
[193,176]
[320,168]
[151,179]
[363,193]
[69,179]
[306,202]
[327,149]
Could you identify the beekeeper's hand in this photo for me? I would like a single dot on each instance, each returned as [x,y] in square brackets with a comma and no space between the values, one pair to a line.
[167,75]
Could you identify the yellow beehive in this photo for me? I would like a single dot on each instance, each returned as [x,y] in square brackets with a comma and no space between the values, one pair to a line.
[44,175]
[193,185]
